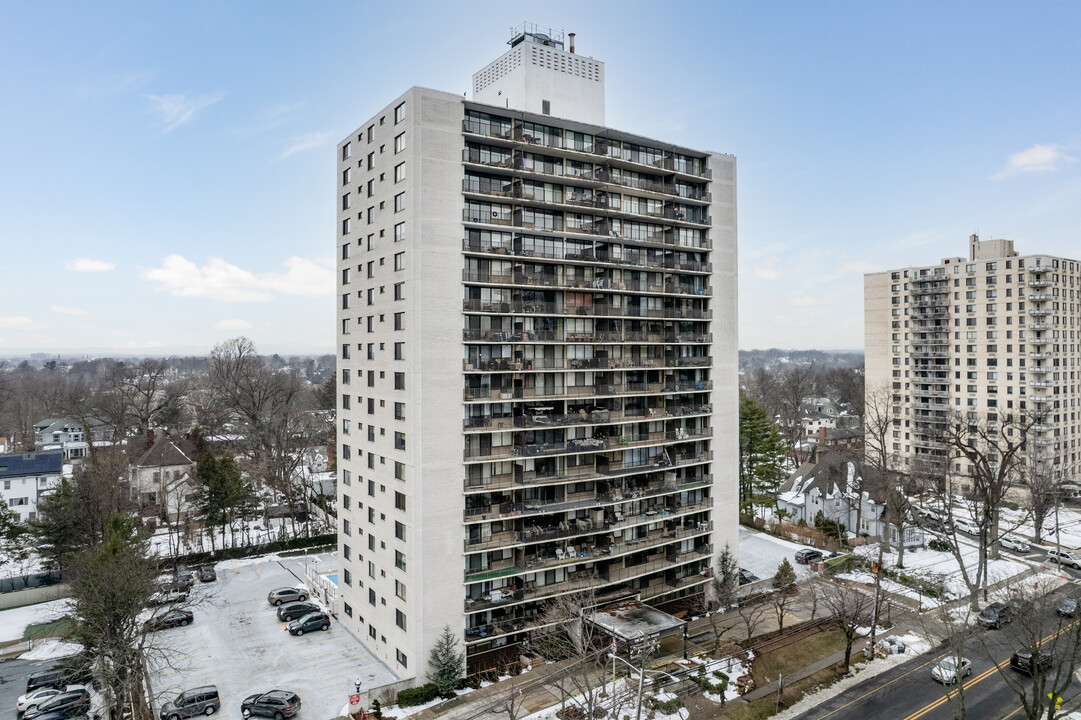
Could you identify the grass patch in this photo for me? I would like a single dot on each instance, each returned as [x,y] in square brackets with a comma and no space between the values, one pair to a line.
[787,660]
[49,629]
[767,706]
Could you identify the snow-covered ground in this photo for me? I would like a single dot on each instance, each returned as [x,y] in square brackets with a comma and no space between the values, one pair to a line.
[14,621]
[940,567]
[761,553]
[50,649]
[1069,526]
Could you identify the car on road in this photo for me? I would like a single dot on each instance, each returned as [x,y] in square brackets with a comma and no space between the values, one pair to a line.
[1012,542]
[207,574]
[281,595]
[746,577]
[995,615]
[950,670]
[1064,557]
[806,556]
[1067,607]
[966,525]
[197,701]
[296,610]
[69,702]
[36,697]
[277,704]
[312,621]
[171,619]
[1024,661]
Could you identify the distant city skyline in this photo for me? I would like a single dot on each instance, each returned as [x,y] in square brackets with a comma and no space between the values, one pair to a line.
[165,174]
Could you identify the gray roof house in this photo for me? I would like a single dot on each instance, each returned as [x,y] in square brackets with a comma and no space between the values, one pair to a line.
[26,477]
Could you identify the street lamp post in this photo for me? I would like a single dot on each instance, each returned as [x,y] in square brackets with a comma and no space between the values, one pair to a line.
[685,626]
[641,678]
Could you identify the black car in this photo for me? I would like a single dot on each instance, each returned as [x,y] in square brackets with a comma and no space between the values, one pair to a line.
[746,576]
[170,619]
[806,556]
[63,715]
[71,703]
[295,611]
[277,596]
[184,577]
[60,676]
[207,574]
[1023,661]
[277,704]
[1067,608]
[308,623]
[995,615]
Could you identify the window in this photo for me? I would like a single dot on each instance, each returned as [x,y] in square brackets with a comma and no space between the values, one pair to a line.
[399,619]
[399,559]
[399,321]
[347,452]
[399,232]
[399,471]
[347,151]
[399,143]
[345,326]
[399,499]
[371,601]
[345,402]
[371,160]
[348,609]
[399,203]
[347,552]
[399,172]
[399,351]
[346,225]
[347,529]
[399,261]
[402,659]
[399,533]
[345,351]
[346,202]
[347,576]
[399,113]
[399,291]
[399,411]
[399,589]
[399,382]
[347,175]
[345,376]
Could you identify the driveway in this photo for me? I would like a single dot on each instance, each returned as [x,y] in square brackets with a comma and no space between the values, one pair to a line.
[762,553]
[237,643]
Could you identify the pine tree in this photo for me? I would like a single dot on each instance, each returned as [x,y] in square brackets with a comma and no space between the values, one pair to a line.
[761,456]
[446,662]
[785,579]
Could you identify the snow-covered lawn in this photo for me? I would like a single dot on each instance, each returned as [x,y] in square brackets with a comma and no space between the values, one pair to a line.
[14,621]
[50,649]
[937,566]
[1069,520]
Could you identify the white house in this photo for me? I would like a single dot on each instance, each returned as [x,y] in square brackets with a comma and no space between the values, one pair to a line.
[25,477]
[161,479]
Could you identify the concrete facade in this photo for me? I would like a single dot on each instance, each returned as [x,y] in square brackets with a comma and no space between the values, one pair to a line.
[991,335]
[537,368]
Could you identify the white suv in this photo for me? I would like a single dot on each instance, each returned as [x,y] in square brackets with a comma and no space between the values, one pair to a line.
[1064,557]
[967,525]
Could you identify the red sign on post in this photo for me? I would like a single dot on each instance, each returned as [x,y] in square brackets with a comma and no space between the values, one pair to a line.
[354,699]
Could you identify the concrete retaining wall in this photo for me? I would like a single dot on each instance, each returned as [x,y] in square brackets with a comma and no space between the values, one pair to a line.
[33,596]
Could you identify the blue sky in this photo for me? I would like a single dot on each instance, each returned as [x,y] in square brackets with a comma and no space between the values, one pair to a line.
[167,169]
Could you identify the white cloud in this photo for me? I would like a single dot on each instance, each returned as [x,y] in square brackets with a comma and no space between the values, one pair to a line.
[87,265]
[1038,158]
[19,322]
[68,310]
[177,110]
[309,141]
[804,302]
[220,280]
[233,325]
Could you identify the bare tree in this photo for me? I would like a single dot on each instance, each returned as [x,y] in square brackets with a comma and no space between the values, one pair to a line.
[878,424]
[849,609]
[752,611]
[784,595]
[796,385]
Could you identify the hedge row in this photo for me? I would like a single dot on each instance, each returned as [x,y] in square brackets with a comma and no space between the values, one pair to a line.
[276,546]
[417,695]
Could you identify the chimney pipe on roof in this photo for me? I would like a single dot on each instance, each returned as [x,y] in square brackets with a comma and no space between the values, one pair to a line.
[571,37]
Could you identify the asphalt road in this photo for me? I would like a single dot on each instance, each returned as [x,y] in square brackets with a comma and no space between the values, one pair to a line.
[13,675]
[908,692]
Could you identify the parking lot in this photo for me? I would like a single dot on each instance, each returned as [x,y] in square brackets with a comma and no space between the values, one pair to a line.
[237,644]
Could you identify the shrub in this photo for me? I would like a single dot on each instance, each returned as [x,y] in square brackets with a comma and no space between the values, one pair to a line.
[377,709]
[939,545]
[418,695]
[666,707]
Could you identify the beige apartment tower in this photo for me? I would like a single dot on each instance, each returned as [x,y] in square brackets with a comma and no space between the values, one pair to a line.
[980,337]
[537,360]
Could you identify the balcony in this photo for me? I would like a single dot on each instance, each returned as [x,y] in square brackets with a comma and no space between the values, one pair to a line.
[614,522]
[476,127]
[1039,326]
[1041,297]
[1040,384]
[1042,442]
[581,417]
[1039,313]
[491,218]
[1040,355]
[1040,398]
[1039,283]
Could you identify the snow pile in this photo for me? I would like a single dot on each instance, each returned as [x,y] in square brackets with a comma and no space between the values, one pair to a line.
[51,649]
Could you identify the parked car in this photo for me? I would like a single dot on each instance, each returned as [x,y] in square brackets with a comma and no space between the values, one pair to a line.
[277,704]
[1064,557]
[169,594]
[312,621]
[207,574]
[950,670]
[184,576]
[295,611]
[1067,607]
[286,594]
[995,615]
[65,715]
[68,702]
[1024,661]
[746,576]
[172,618]
[806,556]
[35,698]
[966,525]
[197,701]
[1012,542]
[58,678]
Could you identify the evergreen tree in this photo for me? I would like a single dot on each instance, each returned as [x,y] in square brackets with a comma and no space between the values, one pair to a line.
[784,583]
[446,662]
[761,457]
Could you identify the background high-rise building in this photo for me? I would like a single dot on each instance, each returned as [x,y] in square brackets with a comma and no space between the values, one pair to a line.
[537,357]
[982,338]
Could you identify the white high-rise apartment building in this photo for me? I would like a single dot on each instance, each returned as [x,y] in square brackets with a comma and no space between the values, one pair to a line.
[992,335]
[537,357]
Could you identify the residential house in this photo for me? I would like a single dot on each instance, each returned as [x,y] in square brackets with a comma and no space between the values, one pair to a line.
[69,436]
[161,479]
[26,477]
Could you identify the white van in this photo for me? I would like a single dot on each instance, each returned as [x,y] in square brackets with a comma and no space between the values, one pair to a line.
[1064,557]
[966,525]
